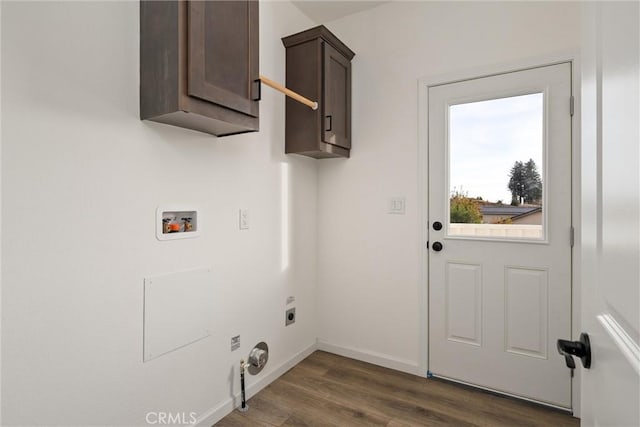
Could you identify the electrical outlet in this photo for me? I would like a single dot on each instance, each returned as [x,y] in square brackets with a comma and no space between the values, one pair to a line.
[290,316]
[244,219]
[235,343]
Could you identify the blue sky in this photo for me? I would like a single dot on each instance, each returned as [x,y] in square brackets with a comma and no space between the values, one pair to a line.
[487,137]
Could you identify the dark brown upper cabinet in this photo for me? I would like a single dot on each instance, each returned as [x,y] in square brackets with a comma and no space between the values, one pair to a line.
[199,65]
[319,68]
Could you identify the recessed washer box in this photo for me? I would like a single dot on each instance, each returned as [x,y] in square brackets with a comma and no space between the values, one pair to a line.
[177,222]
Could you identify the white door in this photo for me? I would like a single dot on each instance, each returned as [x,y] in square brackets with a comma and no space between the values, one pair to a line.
[500,264]
[610,226]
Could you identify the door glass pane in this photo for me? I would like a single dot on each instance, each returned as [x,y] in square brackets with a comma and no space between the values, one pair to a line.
[496,168]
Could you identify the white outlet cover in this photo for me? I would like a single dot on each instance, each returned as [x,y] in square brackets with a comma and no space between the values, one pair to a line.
[235,343]
[243,218]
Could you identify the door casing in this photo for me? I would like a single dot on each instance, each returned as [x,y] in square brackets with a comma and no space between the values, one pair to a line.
[423,186]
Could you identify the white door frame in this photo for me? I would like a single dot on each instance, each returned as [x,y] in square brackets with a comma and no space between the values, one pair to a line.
[423,185]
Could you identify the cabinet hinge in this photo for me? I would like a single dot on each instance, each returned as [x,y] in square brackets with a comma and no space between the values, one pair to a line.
[572,234]
[571,105]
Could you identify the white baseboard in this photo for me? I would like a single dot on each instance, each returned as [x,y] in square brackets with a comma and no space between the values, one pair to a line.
[383,360]
[214,415]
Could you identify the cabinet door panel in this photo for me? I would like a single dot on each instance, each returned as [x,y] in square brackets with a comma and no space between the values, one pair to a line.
[337,98]
[223,53]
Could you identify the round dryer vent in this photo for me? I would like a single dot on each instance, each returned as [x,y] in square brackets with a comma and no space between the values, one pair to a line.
[258,358]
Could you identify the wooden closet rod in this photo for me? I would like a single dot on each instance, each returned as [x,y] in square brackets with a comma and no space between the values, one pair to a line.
[291,94]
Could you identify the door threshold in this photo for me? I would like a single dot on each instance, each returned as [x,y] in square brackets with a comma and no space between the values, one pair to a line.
[503,394]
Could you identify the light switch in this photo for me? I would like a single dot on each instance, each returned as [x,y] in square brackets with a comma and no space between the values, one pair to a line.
[244,219]
[396,205]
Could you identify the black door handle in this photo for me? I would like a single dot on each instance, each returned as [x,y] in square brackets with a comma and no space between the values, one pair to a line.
[330,123]
[437,246]
[581,349]
[437,226]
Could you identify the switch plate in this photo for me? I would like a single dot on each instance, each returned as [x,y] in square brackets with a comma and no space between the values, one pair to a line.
[396,205]
[244,219]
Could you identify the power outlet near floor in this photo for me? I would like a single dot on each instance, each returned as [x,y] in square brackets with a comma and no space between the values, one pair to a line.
[290,316]
[243,216]
[235,343]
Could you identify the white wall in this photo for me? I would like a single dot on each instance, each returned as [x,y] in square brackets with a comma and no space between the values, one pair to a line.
[0,214]
[369,262]
[81,179]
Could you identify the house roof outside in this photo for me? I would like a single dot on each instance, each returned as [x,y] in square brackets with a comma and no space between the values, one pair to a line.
[508,210]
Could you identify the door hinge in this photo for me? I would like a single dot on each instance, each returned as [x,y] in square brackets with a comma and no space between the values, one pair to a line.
[571,105]
[572,236]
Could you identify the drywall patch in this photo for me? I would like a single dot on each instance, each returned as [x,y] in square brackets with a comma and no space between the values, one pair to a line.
[177,310]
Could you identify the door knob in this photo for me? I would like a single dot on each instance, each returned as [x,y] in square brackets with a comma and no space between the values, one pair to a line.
[437,246]
[437,226]
[581,349]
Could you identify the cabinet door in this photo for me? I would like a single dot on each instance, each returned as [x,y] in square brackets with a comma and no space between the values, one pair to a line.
[337,98]
[223,53]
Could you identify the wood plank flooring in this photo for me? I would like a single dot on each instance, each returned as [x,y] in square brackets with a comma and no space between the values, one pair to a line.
[330,390]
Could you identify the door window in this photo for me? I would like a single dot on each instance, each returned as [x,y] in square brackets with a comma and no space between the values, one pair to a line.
[496,168]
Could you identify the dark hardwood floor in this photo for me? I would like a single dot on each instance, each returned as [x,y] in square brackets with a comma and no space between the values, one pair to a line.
[329,390]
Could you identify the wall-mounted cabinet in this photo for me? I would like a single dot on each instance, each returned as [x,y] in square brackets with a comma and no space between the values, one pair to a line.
[199,65]
[319,68]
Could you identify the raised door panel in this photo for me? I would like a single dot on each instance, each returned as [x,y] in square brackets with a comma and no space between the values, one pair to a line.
[463,284]
[526,311]
[223,53]
[337,98]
